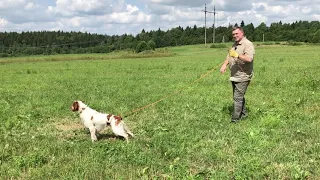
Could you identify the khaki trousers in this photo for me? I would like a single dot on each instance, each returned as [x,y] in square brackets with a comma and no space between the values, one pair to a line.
[239,106]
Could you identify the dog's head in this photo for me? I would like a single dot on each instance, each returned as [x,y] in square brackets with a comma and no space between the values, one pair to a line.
[78,106]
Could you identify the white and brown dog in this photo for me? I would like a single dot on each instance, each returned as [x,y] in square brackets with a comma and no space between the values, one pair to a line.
[96,121]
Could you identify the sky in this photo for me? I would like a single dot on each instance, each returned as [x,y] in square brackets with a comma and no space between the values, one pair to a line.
[117,17]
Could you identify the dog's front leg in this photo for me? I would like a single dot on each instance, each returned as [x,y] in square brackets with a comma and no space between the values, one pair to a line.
[93,133]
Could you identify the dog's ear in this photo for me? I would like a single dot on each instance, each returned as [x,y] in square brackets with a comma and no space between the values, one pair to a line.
[75,106]
[109,116]
[118,118]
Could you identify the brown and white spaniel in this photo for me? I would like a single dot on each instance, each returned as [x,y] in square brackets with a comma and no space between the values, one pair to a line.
[96,121]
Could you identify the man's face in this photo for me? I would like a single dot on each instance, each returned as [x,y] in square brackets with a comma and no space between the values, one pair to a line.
[237,35]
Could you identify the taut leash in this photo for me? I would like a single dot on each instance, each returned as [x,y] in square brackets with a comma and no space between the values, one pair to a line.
[169,95]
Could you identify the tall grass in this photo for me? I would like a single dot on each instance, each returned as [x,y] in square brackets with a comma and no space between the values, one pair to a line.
[125,54]
[185,136]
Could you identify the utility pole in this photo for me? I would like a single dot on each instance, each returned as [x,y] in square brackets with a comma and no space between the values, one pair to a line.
[214,23]
[205,24]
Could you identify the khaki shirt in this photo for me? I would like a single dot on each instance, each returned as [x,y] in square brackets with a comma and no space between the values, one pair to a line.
[241,71]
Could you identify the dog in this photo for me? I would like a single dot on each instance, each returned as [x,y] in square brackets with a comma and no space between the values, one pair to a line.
[96,121]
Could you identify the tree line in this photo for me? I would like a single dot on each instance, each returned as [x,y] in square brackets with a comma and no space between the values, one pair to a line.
[59,42]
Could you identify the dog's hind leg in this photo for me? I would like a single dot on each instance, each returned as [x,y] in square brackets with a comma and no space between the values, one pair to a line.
[125,135]
[128,130]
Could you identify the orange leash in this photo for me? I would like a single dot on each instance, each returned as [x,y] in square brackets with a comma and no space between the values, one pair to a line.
[169,95]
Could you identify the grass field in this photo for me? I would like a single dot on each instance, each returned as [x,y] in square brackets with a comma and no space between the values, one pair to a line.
[187,135]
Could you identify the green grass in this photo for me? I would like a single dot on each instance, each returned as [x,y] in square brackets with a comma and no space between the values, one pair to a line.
[163,52]
[186,136]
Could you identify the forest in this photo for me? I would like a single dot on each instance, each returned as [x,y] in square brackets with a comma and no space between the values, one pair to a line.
[60,42]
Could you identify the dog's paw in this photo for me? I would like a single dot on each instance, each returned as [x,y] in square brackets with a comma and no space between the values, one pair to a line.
[94,139]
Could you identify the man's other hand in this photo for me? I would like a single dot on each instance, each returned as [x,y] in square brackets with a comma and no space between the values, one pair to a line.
[233,53]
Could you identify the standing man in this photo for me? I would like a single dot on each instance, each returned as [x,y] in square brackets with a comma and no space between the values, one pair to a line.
[240,60]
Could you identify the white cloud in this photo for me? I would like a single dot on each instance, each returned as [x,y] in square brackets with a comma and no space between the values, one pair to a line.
[3,22]
[159,9]
[131,16]
[187,3]
[306,10]
[29,6]
[183,14]
[132,9]
[5,4]
[104,23]
[76,21]
[234,5]
[261,18]
[316,17]
[81,7]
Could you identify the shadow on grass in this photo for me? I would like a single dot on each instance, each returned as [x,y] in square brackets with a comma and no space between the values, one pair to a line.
[106,136]
[228,109]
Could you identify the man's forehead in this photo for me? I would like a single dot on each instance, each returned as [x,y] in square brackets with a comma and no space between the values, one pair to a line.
[236,31]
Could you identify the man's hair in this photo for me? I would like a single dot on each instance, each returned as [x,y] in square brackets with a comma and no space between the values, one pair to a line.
[237,27]
[240,28]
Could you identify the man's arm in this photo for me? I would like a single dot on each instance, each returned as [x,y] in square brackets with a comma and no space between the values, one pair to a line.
[248,53]
[224,66]
[245,58]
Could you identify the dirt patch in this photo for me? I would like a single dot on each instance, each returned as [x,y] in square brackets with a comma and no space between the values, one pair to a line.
[69,126]
[70,130]
[312,108]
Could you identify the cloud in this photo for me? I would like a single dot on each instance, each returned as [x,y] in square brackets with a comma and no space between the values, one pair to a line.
[22,11]
[186,3]
[158,9]
[3,22]
[131,16]
[183,14]
[7,4]
[87,7]
[29,6]
[122,15]
[234,5]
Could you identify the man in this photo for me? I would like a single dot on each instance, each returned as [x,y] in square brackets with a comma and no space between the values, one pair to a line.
[240,60]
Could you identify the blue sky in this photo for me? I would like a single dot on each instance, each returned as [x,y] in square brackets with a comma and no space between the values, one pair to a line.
[131,16]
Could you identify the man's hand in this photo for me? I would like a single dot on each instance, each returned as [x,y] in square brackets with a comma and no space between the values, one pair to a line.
[223,68]
[233,53]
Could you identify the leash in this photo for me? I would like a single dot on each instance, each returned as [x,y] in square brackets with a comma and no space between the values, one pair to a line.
[174,93]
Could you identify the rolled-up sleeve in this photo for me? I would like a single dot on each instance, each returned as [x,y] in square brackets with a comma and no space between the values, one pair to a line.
[249,50]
